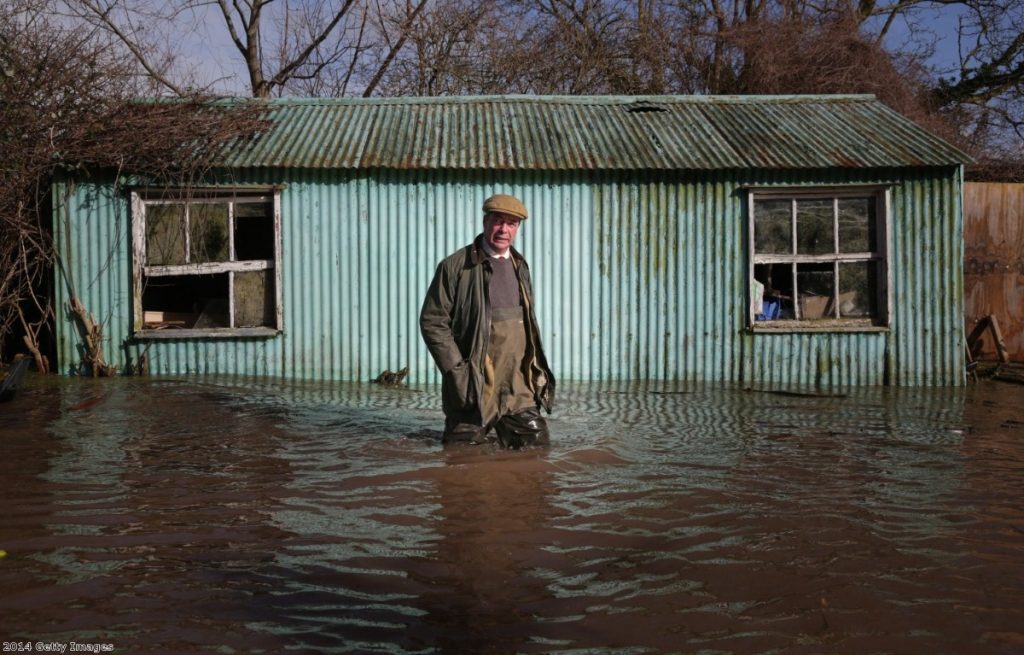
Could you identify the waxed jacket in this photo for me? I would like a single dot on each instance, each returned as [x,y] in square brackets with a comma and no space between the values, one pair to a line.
[455,322]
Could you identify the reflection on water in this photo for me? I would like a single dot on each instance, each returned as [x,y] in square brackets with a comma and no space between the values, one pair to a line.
[230,515]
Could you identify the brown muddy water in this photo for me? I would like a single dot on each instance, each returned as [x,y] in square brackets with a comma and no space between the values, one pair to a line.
[237,516]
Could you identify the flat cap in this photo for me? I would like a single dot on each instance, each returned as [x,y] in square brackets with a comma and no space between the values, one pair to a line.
[505,204]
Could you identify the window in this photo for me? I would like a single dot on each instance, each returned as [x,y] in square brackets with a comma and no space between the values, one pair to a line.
[818,259]
[207,263]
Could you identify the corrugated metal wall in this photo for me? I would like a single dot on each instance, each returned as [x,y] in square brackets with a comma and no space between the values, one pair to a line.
[93,241]
[927,341]
[93,235]
[637,276]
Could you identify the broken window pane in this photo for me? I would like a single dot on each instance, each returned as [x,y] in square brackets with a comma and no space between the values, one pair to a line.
[186,301]
[858,289]
[208,233]
[816,286]
[814,228]
[778,290]
[857,229]
[254,231]
[773,227]
[165,236]
[214,234]
[254,299]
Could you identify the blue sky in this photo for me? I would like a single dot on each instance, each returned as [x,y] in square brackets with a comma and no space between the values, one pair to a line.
[940,22]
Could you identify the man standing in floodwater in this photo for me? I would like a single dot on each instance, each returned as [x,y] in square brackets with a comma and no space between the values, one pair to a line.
[479,324]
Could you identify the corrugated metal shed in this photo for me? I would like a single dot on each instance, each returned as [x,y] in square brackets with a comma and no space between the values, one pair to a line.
[591,133]
[637,241]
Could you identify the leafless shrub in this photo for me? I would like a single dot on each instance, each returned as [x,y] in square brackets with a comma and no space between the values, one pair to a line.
[67,107]
[797,56]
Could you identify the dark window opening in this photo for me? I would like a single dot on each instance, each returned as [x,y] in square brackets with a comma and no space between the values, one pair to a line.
[778,291]
[814,227]
[815,290]
[165,235]
[858,227]
[858,290]
[254,232]
[773,227]
[186,301]
[818,289]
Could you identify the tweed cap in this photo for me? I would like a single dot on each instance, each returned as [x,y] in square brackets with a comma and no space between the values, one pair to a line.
[505,204]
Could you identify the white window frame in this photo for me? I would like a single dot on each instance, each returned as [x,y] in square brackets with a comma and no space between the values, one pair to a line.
[883,217]
[142,198]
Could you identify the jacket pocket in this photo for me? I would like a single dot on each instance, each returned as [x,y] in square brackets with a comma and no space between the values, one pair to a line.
[457,393]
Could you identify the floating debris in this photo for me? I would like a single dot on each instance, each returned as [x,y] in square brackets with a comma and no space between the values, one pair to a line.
[391,378]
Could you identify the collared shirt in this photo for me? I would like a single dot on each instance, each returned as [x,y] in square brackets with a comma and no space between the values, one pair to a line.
[491,253]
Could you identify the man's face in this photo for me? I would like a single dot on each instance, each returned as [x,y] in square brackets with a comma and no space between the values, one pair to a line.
[500,231]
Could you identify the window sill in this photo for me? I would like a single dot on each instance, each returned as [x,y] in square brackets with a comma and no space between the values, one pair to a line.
[213,333]
[848,325]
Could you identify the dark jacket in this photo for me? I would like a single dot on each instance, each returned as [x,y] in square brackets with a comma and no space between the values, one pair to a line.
[456,320]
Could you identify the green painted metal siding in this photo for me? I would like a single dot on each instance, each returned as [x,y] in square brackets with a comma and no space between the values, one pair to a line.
[928,280]
[93,237]
[637,275]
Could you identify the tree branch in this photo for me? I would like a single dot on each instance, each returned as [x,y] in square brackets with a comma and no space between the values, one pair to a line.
[395,48]
[989,80]
[287,70]
[103,16]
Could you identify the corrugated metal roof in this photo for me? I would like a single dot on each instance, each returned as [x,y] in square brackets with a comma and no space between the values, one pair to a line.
[591,133]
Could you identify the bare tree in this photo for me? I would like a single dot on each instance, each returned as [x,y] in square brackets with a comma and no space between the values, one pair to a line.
[441,52]
[581,46]
[724,43]
[368,47]
[989,82]
[300,57]
[308,46]
[66,107]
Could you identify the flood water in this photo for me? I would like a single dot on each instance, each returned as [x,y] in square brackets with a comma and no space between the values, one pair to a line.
[239,516]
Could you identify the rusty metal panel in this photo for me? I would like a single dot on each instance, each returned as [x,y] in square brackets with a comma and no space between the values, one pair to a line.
[994,262]
[803,134]
[589,133]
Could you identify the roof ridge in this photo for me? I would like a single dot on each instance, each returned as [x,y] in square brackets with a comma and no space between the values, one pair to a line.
[605,100]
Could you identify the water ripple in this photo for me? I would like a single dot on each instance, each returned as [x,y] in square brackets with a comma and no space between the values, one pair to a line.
[235,515]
